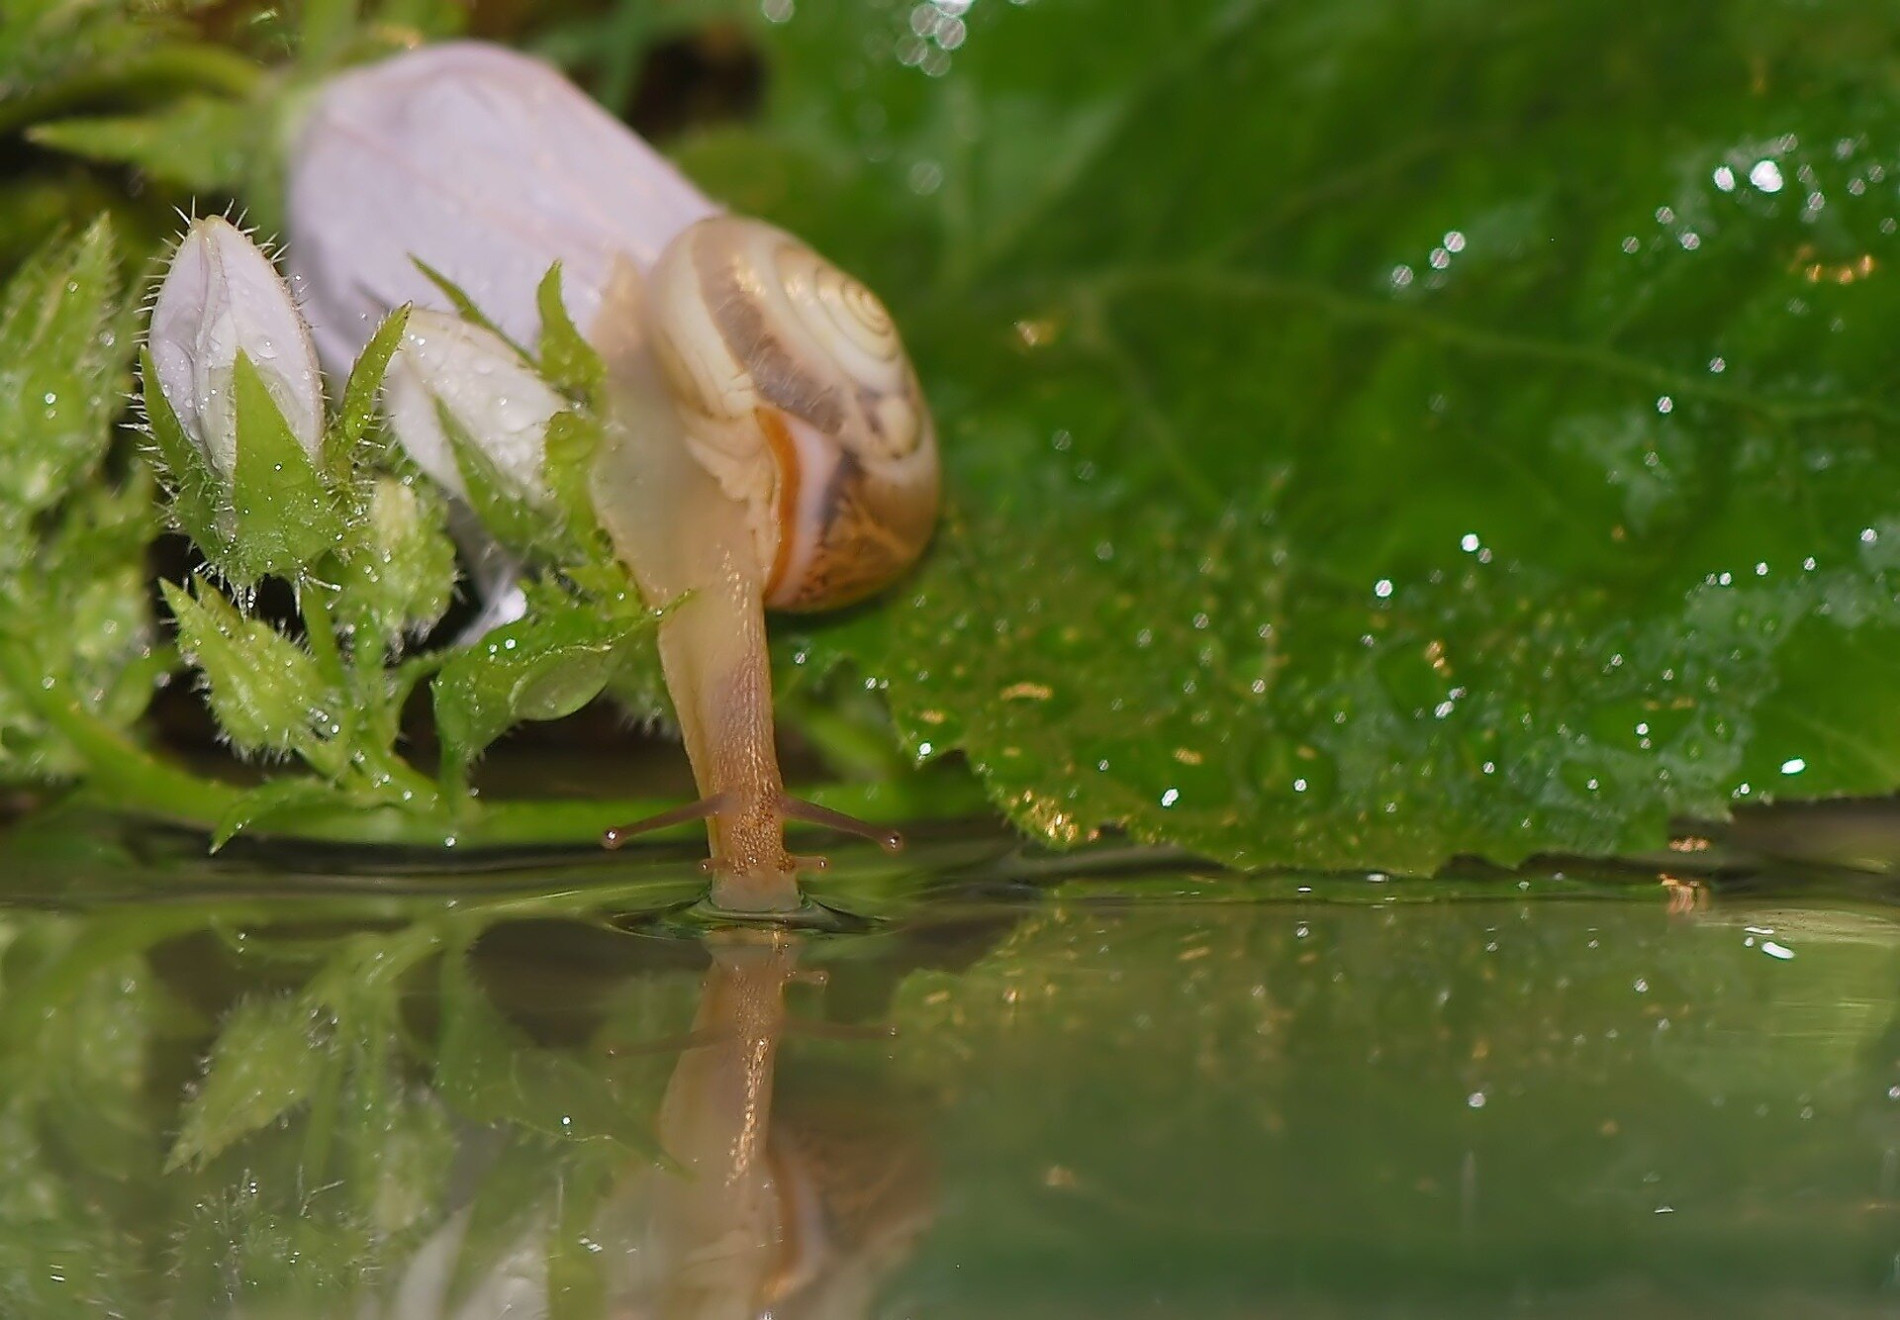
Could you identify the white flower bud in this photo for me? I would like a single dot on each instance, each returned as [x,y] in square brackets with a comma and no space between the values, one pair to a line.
[485,164]
[221,296]
[499,402]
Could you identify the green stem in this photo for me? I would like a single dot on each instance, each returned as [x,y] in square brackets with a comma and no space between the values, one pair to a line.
[320,636]
[132,777]
[373,757]
[413,670]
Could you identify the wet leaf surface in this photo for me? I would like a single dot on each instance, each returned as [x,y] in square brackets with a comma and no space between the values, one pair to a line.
[1375,432]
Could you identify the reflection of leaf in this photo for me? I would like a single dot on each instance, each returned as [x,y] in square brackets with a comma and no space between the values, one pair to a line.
[269,1056]
[488,1072]
[78,1127]
[1406,1100]
[1358,456]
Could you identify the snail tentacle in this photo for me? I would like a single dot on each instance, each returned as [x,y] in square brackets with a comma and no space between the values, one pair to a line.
[812,814]
[705,807]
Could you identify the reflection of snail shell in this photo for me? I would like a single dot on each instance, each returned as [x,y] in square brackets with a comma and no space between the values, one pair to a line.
[797,395]
[856,1189]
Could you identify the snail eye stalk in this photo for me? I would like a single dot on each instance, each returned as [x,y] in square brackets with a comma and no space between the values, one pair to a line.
[891,841]
[703,809]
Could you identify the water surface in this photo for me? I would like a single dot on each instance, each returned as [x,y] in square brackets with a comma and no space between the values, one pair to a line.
[352,1085]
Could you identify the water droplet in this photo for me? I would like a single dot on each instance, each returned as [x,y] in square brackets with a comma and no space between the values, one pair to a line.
[926,176]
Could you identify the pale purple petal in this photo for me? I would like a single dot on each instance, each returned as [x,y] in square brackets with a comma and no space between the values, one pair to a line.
[486,164]
[221,295]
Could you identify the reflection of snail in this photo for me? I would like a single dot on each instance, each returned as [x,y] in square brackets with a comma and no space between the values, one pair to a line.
[862,1186]
[787,1200]
[769,444]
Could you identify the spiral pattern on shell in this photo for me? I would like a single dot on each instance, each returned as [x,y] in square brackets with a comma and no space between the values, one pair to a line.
[798,395]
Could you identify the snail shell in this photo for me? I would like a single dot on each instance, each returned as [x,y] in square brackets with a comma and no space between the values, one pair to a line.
[797,395]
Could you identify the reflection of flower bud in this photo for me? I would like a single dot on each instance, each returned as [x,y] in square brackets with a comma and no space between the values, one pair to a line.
[483,163]
[220,297]
[497,401]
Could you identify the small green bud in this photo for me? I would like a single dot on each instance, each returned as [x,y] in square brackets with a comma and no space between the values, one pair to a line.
[266,690]
[402,574]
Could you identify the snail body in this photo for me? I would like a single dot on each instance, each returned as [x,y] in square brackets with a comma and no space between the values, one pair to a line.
[767,440]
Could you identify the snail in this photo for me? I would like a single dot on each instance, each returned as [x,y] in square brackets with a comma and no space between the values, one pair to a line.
[768,443]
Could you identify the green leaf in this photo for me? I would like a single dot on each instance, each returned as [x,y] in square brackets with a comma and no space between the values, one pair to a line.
[570,364]
[257,809]
[266,690]
[193,490]
[204,144]
[541,667]
[567,360]
[285,517]
[61,354]
[508,517]
[361,392]
[465,307]
[90,575]
[1354,458]
[55,53]
[269,1056]
[572,439]
[73,594]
